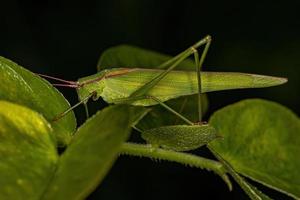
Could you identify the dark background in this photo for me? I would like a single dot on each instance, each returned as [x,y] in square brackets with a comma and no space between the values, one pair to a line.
[65,38]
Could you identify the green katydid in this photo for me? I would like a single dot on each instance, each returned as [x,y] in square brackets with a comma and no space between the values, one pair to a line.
[147,87]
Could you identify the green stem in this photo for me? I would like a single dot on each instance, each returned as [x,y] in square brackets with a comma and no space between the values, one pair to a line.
[249,189]
[173,156]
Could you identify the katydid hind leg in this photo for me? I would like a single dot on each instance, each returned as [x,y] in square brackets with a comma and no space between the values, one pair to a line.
[141,93]
[201,42]
[129,100]
[171,110]
[173,62]
[198,69]
[198,64]
[181,109]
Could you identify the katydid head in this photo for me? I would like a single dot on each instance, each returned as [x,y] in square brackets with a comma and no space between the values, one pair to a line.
[90,86]
[87,87]
[62,83]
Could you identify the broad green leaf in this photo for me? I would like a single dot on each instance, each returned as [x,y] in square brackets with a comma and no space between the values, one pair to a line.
[180,137]
[261,141]
[132,57]
[249,189]
[23,87]
[92,152]
[27,152]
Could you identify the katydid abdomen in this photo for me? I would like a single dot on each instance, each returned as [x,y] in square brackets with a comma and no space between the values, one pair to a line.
[119,83]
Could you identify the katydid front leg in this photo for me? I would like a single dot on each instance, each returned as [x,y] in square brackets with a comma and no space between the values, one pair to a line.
[74,106]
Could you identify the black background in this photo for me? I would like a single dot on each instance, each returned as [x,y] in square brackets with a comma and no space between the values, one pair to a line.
[65,38]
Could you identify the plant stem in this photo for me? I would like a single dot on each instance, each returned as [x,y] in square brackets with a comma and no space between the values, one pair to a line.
[249,189]
[173,156]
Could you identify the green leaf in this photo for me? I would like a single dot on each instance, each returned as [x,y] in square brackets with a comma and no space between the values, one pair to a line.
[23,87]
[262,142]
[180,137]
[132,57]
[92,152]
[27,152]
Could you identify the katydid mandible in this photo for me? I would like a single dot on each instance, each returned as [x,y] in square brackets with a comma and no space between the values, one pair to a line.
[147,87]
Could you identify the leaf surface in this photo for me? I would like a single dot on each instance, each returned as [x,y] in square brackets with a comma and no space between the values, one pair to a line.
[23,87]
[261,141]
[27,152]
[92,152]
[180,137]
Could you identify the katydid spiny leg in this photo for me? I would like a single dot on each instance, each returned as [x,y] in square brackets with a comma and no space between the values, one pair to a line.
[175,61]
[198,64]
[132,99]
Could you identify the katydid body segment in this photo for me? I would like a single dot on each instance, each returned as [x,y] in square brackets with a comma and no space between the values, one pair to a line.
[120,83]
